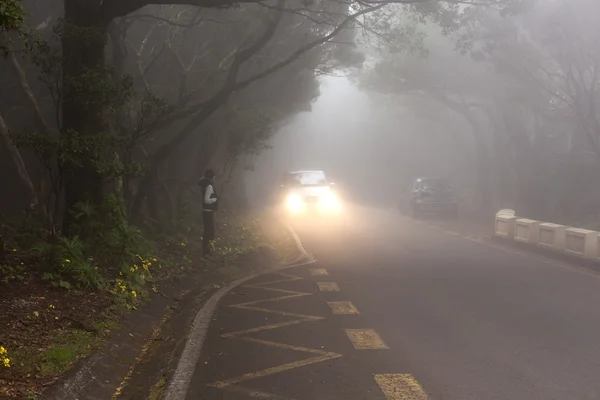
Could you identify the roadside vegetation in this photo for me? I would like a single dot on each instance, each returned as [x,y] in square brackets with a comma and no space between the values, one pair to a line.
[109,117]
[61,297]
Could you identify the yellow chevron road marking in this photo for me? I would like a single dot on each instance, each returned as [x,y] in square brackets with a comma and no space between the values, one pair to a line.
[319,355]
[255,393]
[275,370]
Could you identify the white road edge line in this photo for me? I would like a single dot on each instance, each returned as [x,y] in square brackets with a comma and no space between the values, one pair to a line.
[180,381]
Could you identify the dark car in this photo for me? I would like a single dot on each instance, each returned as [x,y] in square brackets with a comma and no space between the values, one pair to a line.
[429,196]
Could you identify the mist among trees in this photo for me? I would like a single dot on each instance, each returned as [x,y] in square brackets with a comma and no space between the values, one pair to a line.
[112,110]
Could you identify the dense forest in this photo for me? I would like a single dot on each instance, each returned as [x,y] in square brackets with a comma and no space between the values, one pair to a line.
[111,111]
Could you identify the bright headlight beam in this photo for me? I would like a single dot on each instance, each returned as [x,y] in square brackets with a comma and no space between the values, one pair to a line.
[294,203]
[330,202]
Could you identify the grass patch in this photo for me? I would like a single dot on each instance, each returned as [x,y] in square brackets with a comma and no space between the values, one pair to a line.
[69,347]
[158,388]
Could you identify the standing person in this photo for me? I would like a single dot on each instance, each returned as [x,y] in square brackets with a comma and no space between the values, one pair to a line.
[209,207]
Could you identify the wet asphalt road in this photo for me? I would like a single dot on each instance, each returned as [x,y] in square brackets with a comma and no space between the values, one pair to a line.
[415,311]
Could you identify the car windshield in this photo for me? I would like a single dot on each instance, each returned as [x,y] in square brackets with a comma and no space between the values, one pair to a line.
[436,185]
[308,178]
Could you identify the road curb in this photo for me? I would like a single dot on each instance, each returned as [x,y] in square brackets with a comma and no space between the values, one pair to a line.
[179,383]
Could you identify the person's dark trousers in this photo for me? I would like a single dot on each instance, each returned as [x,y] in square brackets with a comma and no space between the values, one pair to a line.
[208,235]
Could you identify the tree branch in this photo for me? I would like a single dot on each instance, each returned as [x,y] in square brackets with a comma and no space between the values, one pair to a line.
[305,48]
[29,96]
[15,156]
[111,9]
[195,22]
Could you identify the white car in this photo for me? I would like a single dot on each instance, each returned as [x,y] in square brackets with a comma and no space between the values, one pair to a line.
[309,192]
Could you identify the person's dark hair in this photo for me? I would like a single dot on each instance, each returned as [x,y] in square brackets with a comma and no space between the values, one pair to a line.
[209,174]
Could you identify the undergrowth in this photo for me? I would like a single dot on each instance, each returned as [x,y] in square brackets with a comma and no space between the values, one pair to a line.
[66,294]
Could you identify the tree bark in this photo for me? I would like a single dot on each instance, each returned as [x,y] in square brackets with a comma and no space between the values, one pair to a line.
[483,155]
[83,43]
[20,167]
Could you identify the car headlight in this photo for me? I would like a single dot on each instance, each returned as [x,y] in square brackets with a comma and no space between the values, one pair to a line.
[294,203]
[330,202]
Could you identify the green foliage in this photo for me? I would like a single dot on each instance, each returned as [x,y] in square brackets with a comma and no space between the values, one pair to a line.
[79,150]
[104,245]
[71,345]
[12,19]
[120,249]
[96,88]
[12,15]
[108,230]
[13,273]
[69,264]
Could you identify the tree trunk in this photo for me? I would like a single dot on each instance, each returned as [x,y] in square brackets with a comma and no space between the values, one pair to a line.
[483,154]
[483,161]
[83,44]
[202,160]
[19,165]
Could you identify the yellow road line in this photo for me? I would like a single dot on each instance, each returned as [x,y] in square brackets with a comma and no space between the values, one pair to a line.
[342,307]
[268,327]
[284,346]
[276,290]
[256,394]
[318,272]
[320,355]
[365,339]
[275,370]
[287,278]
[328,287]
[400,387]
[270,300]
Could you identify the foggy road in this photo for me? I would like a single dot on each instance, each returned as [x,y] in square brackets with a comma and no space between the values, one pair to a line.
[397,309]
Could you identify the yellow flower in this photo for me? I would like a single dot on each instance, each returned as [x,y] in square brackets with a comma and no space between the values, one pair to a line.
[120,273]
[2,351]
[134,293]
[67,260]
[154,259]
[131,269]
[6,362]
[37,314]
[50,306]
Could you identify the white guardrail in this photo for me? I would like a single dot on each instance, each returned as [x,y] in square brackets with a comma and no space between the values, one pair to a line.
[578,242]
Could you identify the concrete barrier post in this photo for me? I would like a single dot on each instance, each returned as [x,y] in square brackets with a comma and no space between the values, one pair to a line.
[526,230]
[582,243]
[504,225]
[552,236]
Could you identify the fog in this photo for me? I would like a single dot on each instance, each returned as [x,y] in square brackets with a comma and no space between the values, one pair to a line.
[117,115]
[370,145]
[501,101]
